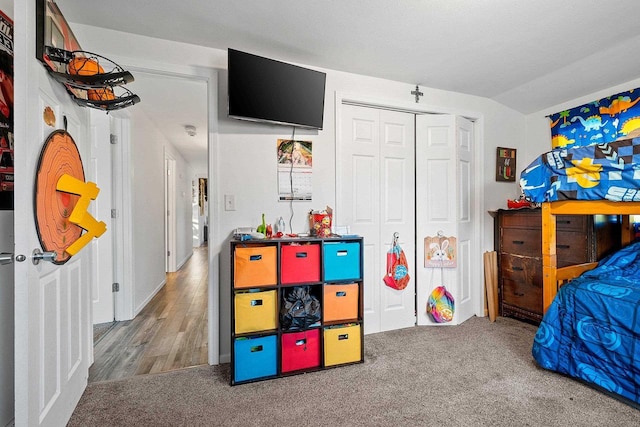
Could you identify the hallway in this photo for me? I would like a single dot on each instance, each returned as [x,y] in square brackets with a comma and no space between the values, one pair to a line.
[169,333]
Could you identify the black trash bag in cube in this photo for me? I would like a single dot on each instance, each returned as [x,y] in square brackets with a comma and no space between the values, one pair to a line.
[299,309]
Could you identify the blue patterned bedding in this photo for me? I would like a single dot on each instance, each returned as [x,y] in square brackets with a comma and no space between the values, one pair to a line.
[595,172]
[592,328]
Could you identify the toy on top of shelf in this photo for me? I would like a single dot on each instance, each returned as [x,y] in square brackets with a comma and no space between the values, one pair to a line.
[262,228]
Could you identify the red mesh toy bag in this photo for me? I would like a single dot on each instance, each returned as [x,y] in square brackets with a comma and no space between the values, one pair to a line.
[397,276]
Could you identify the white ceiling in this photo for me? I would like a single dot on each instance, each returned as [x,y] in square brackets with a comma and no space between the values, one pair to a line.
[171,103]
[528,55]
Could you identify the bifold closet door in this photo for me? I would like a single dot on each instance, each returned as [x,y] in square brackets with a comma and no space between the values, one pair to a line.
[376,197]
[445,196]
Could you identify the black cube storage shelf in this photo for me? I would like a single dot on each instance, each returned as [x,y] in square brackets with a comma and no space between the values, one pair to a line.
[263,273]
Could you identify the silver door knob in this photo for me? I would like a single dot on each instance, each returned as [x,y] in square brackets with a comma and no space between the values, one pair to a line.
[38,256]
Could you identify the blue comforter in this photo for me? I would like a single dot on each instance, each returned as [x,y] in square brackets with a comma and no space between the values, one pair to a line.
[592,328]
[595,172]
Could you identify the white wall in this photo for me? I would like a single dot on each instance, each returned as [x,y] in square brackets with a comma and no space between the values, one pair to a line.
[6,301]
[245,156]
[248,150]
[147,148]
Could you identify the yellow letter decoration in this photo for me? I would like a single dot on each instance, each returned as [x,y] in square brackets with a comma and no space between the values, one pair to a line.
[87,191]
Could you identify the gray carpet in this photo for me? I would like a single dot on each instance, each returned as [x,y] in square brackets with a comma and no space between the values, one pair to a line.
[475,374]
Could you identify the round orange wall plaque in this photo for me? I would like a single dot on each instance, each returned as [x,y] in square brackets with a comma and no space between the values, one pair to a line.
[56,233]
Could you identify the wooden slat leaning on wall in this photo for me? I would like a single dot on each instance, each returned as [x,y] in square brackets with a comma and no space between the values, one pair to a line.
[491,283]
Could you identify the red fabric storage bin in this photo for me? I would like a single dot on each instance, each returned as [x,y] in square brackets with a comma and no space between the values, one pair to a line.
[300,350]
[300,263]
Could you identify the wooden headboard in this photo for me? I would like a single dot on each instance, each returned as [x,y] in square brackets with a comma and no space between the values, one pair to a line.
[550,272]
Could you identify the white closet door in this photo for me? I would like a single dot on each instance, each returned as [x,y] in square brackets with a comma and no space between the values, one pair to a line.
[444,199]
[470,278]
[376,198]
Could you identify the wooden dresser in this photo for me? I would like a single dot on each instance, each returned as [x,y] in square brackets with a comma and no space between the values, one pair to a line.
[518,241]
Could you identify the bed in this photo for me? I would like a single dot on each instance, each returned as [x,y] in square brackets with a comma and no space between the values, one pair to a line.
[591,324]
[591,329]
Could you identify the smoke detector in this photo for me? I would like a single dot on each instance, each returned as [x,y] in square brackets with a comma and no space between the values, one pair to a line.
[190,129]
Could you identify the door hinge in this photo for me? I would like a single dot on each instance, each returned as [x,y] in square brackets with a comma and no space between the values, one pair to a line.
[115,287]
[114,213]
[113,139]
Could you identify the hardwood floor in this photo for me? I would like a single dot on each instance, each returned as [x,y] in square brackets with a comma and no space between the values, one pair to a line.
[169,333]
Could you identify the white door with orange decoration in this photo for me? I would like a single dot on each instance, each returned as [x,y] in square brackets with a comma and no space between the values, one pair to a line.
[53,338]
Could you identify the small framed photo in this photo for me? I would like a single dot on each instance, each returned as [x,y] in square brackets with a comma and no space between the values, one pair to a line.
[506,164]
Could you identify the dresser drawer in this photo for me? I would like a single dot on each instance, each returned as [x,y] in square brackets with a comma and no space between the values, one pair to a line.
[521,269]
[571,248]
[572,222]
[521,282]
[521,241]
[523,295]
[533,219]
[521,219]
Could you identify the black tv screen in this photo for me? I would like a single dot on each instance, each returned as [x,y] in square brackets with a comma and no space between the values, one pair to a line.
[262,89]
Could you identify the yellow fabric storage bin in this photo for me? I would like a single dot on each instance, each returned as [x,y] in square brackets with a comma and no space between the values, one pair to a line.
[342,345]
[255,311]
[340,302]
[255,266]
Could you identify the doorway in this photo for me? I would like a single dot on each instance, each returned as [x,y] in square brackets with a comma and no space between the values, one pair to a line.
[154,267]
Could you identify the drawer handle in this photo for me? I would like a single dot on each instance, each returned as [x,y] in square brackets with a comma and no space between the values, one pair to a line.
[301,342]
[519,294]
[256,302]
[518,242]
[563,221]
[343,337]
[563,246]
[255,257]
[301,255]
[341,253]
[341,294]
[256,348]
[518,269]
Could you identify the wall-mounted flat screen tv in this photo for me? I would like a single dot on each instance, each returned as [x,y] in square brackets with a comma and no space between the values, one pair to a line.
[265,90]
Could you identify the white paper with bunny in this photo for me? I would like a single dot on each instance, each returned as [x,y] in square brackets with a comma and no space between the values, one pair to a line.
[440,251]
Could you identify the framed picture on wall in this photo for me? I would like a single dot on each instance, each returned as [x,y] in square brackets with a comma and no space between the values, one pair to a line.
[506,164]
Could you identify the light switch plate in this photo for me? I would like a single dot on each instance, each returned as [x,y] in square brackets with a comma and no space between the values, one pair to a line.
[229,202]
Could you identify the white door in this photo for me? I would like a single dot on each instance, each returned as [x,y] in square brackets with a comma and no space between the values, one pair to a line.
[445,191]
[52,302]
[170,216]
[376,198]
[102,248]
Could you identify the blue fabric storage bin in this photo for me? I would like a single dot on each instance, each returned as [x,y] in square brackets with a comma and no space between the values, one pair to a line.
[254,358]
[341,261]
